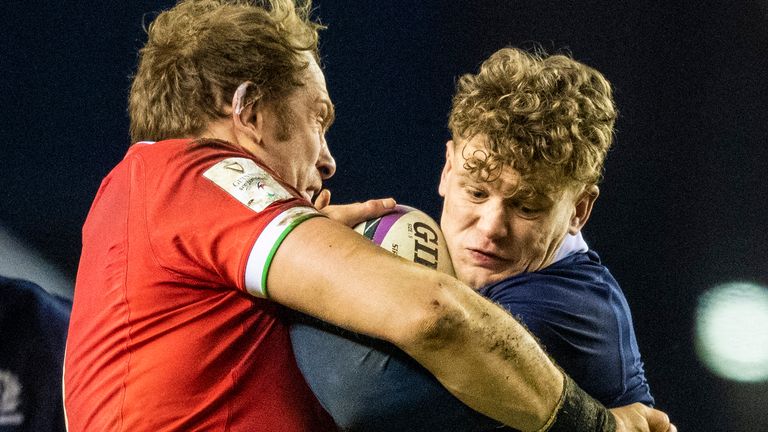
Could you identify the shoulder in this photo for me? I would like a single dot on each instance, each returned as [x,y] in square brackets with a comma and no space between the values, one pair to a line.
[571,278]
[579,313]
[212,162]
[174,152]
[576,293]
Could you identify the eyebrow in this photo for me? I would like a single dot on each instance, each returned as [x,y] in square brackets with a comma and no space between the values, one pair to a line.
[522,193]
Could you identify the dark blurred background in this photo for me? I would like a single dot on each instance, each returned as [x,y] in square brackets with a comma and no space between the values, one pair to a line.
[683,204]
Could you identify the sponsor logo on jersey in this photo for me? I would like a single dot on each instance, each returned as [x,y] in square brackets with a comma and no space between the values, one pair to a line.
[247,182]
[10,399]
[236,167]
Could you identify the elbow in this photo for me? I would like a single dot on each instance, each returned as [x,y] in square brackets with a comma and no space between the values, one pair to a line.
[438,320]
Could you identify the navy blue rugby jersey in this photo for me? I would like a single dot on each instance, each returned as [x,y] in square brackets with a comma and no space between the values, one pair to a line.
[581,317]
[33,331]
[574,307]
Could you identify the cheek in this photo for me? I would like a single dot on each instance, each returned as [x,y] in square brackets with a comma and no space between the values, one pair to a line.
[559,226]
[455,218]
[529,237]
[450,223]
[544,235]
[310,154]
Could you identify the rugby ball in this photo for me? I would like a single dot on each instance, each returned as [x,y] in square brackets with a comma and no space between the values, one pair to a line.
[411,234]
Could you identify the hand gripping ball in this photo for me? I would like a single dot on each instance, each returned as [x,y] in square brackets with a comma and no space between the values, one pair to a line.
[411,234]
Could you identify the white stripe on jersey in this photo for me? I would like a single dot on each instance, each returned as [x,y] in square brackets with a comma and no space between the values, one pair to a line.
[266,245]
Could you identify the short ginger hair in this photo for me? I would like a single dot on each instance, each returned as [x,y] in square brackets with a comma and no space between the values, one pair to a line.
[200,51]
[550,118]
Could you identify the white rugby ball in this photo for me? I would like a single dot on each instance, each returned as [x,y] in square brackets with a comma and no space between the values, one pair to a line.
[411,234]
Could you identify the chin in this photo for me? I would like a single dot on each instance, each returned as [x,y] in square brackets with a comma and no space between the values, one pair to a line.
[467,279]
[481,281]
[478,281]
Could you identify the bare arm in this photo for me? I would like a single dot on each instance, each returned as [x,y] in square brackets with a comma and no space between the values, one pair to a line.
[635,417]
[478,351]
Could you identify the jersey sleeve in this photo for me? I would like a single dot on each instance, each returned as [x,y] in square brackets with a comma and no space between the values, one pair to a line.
[218,217]
[369,385]
[267,243]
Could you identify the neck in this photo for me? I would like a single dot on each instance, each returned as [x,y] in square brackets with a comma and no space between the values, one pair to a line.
[219,129]
[222,130]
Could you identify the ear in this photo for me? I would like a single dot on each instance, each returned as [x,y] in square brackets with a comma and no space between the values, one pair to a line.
[446,168]
[583,208]
[247,112]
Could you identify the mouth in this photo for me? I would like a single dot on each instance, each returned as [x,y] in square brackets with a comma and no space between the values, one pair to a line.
[311,193]
[486,258]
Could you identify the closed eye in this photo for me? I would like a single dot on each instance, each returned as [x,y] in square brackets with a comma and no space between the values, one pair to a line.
[475,193]
[326,115]
[528,211]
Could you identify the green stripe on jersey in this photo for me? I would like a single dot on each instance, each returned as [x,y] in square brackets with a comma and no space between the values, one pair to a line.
[267,243]
[293,224]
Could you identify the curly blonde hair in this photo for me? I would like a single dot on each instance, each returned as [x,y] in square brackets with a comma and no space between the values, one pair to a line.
[199,51]
[550,118]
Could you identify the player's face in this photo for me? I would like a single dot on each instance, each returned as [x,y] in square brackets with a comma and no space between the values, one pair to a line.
[498,229]
[295,135]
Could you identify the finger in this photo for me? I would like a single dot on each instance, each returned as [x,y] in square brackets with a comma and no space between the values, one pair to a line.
[323,199]
[375,208]
[658,420]
[353,214]
[370,209]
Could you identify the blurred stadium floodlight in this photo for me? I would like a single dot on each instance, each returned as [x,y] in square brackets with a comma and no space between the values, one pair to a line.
[19,261]
[731,334]
[731,339]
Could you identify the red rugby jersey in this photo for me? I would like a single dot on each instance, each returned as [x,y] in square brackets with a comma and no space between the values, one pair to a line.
[169,332]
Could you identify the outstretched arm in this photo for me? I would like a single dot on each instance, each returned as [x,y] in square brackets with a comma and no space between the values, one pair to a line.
[477,350]
[361,401]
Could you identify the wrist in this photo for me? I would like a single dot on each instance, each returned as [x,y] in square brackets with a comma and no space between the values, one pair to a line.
[577,411]
[553,416]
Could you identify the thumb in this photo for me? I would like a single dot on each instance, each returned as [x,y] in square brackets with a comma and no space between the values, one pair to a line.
[323,199]
[659,421]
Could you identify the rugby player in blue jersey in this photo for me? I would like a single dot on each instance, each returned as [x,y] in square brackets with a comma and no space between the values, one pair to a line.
[33,333]
[530,135]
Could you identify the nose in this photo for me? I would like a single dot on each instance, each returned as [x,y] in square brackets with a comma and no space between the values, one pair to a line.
[492,221]
[326,164]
